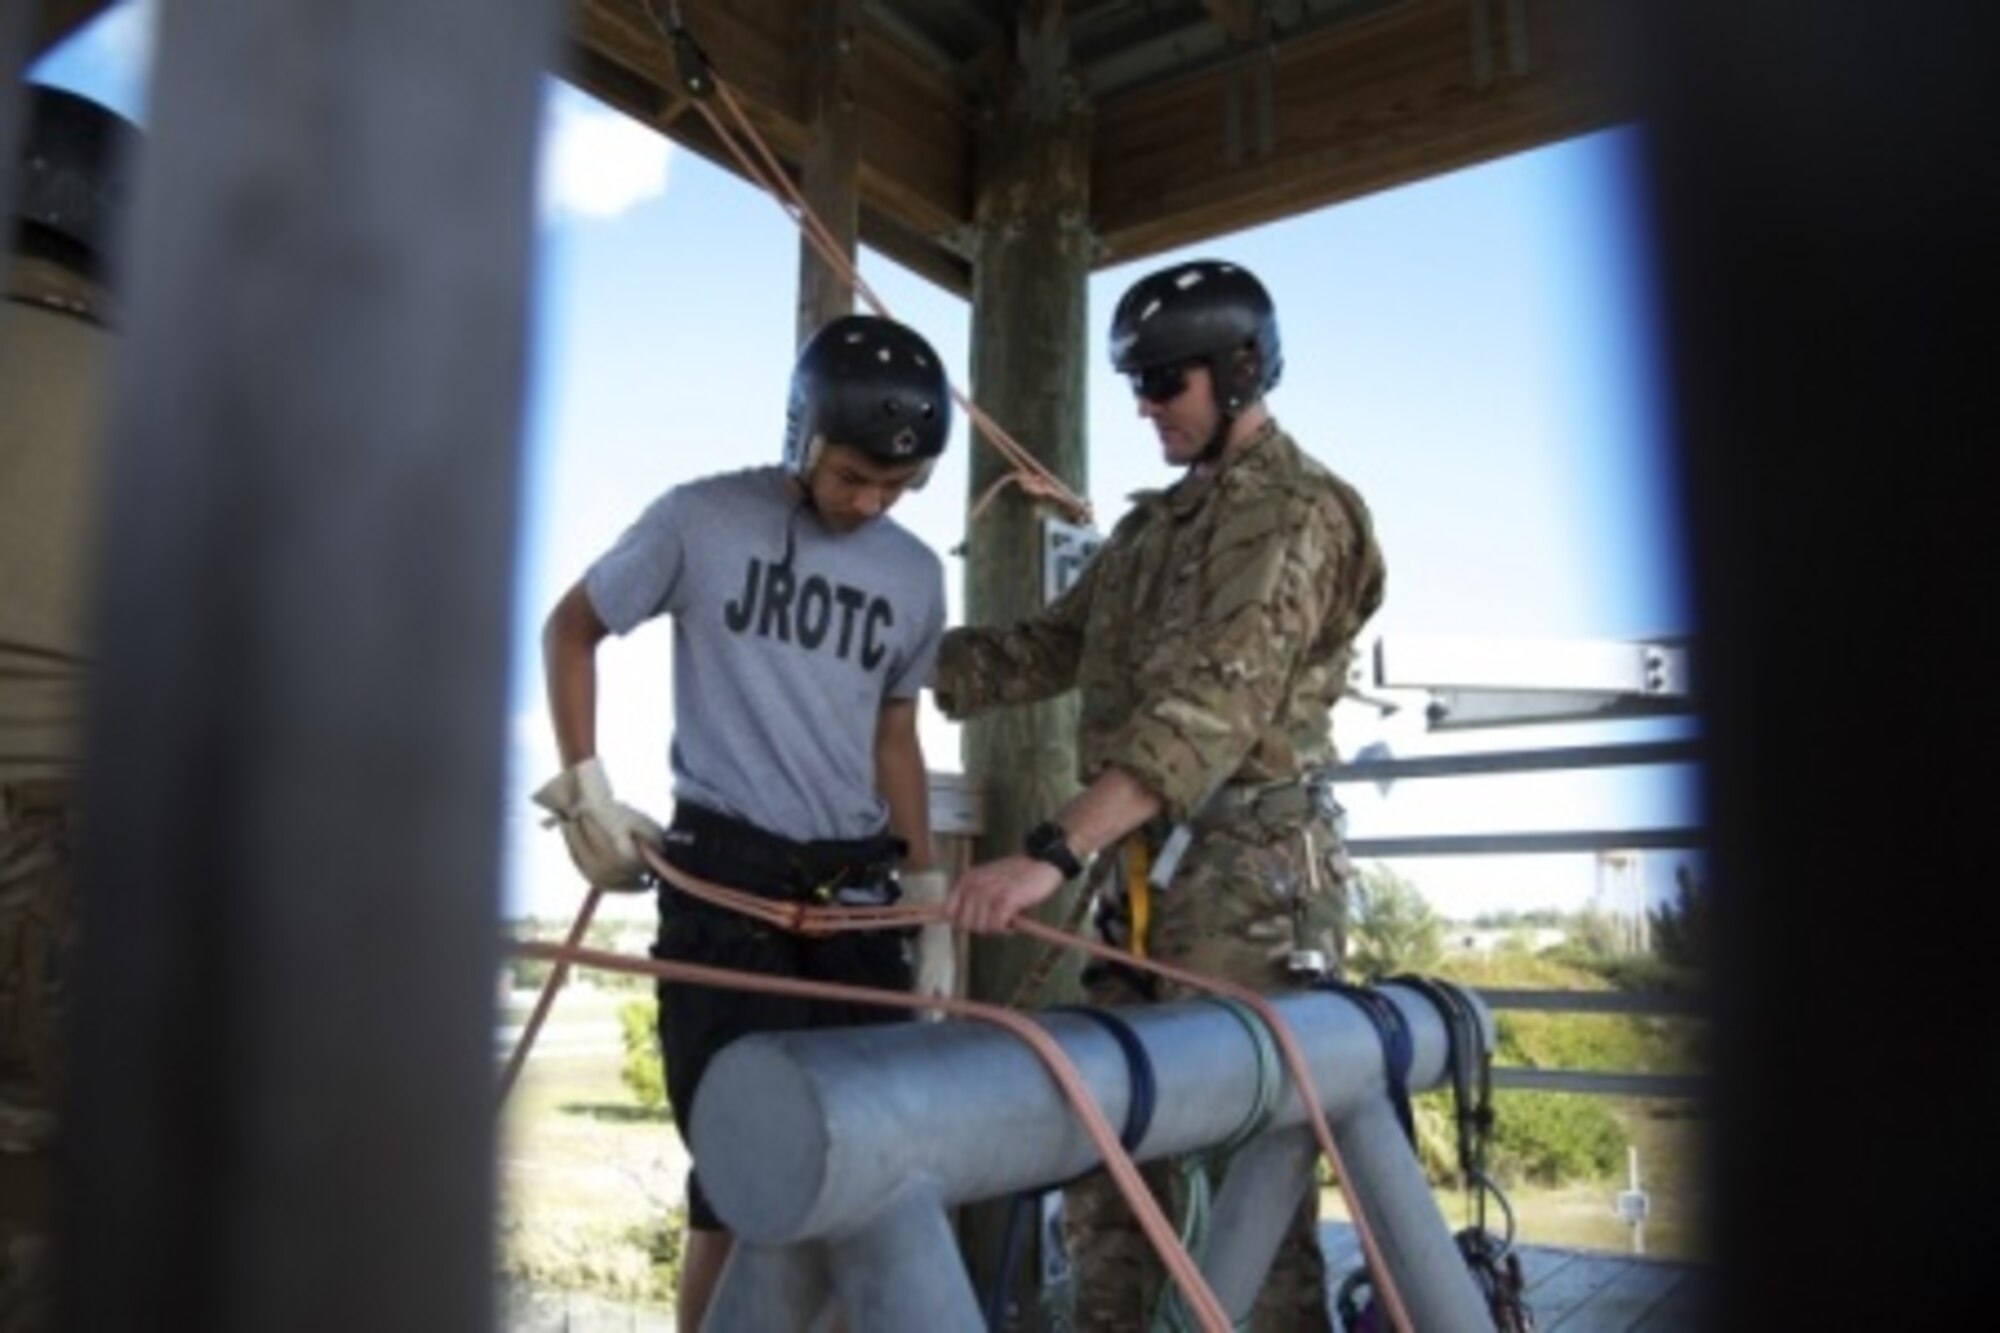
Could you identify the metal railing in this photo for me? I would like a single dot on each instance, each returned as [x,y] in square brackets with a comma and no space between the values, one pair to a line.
[956,810]
[1652,1004]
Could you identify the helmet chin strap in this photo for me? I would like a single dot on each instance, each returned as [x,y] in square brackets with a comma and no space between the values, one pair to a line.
[1226,416]
[1211,452]
[802,479]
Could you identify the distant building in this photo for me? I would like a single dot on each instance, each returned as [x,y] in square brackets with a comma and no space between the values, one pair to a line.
[1488,940]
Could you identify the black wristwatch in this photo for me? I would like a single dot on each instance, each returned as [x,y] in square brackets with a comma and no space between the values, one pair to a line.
[1048,842]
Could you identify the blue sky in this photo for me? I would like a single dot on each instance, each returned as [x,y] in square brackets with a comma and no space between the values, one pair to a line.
[1475,353]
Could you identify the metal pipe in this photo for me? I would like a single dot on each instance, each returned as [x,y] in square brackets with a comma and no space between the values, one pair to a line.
[903,1270]
[771,1286]
[1531,844]
[806,1135]
[1565,759]
[1252,1211]
[1415,1241]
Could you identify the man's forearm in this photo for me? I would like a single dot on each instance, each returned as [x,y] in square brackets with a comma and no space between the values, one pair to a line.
[1112,806]
[979,669]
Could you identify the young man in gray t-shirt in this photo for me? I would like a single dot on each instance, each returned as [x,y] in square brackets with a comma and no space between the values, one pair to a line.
[805,625]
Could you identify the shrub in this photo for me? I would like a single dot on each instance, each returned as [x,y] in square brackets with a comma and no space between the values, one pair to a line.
[665,1246]
[1546,1138]
[643,1071]
[1552,1137]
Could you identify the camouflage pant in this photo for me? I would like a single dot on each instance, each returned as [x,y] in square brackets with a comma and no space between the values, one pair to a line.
[35,930]
[1244,897]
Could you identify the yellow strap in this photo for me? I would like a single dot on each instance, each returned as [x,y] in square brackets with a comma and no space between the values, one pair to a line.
[1138,892]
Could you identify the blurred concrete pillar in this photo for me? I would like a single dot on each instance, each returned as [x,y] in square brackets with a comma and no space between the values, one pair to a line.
[282,1116]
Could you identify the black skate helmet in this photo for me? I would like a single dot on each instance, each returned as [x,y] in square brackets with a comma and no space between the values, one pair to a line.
[1203,310]
[871,384]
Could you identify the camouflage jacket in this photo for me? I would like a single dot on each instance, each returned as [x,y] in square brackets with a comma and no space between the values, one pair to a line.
[1209,636]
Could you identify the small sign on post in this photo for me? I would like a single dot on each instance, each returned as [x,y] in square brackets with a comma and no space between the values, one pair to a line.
[1066,549]
[1633,1204]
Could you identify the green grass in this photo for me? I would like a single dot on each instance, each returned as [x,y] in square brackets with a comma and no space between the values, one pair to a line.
[1578,1215]
[591,1184]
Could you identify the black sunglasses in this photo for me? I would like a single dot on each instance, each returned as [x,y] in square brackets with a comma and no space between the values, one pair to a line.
[1160,384]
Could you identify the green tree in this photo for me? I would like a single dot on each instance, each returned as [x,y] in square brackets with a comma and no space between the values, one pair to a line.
[1391,928]
[1680,928]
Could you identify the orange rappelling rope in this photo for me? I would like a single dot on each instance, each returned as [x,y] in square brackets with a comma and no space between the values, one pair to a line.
[811,919]
[547,998]
[1180,1265]
[765,171]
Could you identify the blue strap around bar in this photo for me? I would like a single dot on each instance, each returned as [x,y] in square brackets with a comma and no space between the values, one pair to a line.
[1138,1066]
[1138,1119]
[1398,1046]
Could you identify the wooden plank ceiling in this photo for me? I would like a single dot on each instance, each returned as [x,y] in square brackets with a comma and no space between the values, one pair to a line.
[1207,116]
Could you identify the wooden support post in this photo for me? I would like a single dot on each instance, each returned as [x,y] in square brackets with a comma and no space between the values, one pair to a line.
[1030,269]
[282,1110]
[1031,263]
[831,164]
[13,103]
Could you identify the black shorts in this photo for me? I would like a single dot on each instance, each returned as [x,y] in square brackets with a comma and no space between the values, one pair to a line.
[698,1021]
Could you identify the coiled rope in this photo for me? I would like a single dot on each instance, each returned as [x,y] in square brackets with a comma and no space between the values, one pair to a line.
[1198,1170]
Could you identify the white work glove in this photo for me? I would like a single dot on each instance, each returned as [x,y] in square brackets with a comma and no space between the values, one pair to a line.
[937,950]
[600,831]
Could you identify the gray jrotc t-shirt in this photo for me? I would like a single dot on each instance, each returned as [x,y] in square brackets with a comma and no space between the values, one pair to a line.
[780,667]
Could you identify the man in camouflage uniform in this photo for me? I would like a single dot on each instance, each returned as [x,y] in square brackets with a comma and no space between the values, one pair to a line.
[54,338]
[1209,638]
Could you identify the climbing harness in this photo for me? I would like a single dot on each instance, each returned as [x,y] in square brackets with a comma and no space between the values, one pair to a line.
[850,872]
[1138,894]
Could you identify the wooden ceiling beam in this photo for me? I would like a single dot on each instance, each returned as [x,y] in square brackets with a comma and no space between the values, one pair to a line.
[1418,88]
[1241,19]
[915,136]
[1388,100]
[56,20]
